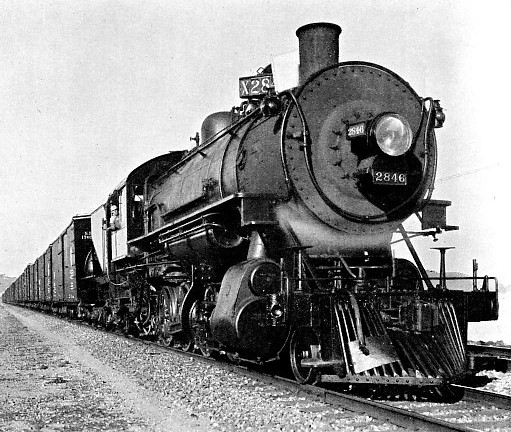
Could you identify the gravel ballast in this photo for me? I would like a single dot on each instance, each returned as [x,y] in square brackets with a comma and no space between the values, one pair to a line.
[61,376]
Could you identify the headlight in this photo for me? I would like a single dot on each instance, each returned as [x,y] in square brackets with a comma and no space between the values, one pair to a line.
[392,133]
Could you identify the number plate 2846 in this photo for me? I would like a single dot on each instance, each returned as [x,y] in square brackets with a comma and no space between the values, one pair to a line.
[389,178]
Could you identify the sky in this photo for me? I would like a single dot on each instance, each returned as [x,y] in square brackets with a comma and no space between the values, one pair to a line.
[90,89]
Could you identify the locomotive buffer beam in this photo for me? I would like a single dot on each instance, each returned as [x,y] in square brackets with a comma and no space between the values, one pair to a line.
[384,380]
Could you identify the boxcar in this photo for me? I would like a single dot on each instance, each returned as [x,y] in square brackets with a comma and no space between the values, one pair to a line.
[67,256]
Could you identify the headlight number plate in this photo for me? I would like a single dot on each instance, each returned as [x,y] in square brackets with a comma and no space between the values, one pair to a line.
[389,178]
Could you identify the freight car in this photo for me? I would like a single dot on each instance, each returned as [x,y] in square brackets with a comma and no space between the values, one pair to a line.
[56,280]
[271,239]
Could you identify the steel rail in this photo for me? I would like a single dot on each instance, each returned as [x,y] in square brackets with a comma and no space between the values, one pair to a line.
[404,418]
[410,420]
[499,352]
[477,395]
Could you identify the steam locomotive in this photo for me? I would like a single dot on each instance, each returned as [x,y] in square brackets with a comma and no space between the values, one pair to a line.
[271,239]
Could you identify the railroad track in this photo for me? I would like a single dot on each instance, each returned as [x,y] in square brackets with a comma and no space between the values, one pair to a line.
[486,397]
[489,357]
[422,416]
[479,410]
[502,352]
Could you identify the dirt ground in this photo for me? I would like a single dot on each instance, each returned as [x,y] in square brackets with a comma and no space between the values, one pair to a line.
[48,383]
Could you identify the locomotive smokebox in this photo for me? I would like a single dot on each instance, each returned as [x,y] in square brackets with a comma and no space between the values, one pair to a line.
[319,47]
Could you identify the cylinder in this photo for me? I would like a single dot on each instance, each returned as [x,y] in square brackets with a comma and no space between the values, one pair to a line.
[319,47]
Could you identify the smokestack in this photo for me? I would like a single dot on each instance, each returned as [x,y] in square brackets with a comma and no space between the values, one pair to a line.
[319,47]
